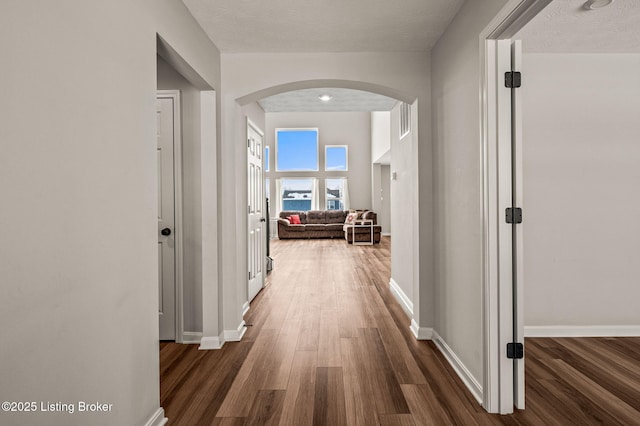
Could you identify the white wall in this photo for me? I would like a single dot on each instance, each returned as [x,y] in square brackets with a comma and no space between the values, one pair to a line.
[352,129]
[581,174]
[249,77]
[78,179]
[170,79]
[402,190]
[457,181]
[380,136]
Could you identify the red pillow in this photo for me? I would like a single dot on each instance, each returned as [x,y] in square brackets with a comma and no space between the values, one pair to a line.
[295,219]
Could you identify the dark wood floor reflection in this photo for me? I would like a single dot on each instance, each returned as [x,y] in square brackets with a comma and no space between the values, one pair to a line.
[327,344]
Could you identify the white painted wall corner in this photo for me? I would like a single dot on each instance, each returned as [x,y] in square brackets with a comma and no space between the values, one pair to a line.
[212,342]
[401,297]
[157,419]
[463,372]
[235,335]
[421,333]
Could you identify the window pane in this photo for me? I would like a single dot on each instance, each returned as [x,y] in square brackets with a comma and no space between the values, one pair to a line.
[266,158]
[335,194]
[297,194]
[336,158]
[297,150]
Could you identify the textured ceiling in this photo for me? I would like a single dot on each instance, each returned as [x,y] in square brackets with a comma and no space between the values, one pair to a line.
[341,100]
[323,26]
[565,26]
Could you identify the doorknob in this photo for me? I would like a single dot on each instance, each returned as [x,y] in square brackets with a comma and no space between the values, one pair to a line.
[166,231]
[262,219]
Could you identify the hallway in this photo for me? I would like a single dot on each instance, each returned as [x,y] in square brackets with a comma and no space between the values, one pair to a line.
[327,344]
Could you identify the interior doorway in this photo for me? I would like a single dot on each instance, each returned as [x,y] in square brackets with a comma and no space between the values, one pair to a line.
[169,171]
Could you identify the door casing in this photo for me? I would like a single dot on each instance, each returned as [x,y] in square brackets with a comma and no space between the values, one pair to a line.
[497,243]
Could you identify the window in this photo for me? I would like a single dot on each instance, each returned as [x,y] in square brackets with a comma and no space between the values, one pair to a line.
[336,194]
[405,119]
[266,158]
[297,150]
[297,194]
[336,158]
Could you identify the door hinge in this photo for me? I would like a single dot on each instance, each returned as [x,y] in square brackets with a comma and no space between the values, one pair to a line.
[248,143]
[515,350]
[512,79]
[514,215]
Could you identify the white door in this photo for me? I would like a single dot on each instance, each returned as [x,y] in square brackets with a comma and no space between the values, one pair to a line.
[166,217]
[255,202]
[511,299]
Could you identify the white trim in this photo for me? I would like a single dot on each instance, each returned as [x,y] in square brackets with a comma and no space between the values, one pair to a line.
[235,335]
[401,297]
[245,308]
[582,331]
[190,337]
[385,234]
[208,343]
[421,333]
[177,199]
[508,21]
[463,372]
[157,419]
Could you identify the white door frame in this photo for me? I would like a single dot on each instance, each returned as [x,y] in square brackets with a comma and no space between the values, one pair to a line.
[177,179]
[498,384]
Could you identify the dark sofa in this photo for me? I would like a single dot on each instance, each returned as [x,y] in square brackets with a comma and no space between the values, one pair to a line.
[315,224]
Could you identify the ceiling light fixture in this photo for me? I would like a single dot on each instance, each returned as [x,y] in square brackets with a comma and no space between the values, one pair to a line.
[597,4]
[325,98]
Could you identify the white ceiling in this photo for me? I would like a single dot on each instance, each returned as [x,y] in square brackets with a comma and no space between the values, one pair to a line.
[565,26]
[307,100]
[325,25]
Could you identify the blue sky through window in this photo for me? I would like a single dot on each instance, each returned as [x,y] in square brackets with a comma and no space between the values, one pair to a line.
[297,150]
[336,158]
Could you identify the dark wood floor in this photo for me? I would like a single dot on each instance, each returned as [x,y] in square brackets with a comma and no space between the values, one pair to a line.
[328,345]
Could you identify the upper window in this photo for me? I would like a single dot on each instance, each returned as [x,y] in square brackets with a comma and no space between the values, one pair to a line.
[297,150]
[336,158]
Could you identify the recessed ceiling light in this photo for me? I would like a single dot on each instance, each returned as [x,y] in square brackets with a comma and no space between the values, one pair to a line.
[597,4]
[325,98]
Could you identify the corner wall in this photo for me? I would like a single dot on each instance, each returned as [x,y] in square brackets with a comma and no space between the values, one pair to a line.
[457,184]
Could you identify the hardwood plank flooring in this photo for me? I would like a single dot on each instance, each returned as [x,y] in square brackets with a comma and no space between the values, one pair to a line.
[327,344]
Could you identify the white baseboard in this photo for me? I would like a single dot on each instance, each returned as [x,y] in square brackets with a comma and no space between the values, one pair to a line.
[421,333]
[385,234]
[212,342]
[582,331]
[235,335]
[467,378]
[191,337]
[245,308]
[401,297]
[158,418]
